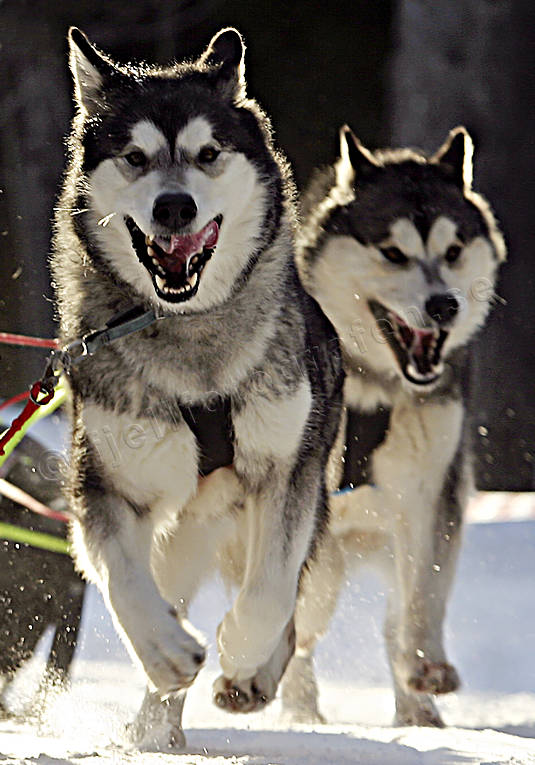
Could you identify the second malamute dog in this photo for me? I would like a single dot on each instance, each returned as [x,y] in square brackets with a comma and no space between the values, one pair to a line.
[402,256]
[212,426]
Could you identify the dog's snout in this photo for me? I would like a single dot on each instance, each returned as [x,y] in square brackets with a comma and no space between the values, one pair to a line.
[442,308]
[174,210]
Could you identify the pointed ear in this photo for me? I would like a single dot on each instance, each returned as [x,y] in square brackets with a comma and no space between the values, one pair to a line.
[225,55]
[89,70]
[355,162]
[455,157]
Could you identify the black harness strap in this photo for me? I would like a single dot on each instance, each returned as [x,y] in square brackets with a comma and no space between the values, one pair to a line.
[364,433]
[212,427]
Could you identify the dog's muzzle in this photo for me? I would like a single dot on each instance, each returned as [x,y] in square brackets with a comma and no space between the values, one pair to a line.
[175,261]
[417,351]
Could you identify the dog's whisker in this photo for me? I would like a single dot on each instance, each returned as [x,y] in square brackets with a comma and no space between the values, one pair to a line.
[106,219]
[78,211]
[498,299]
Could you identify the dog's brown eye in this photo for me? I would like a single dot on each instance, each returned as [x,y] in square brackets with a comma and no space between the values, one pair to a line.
[394,255]
[136,159]
[208,154]
[452,253]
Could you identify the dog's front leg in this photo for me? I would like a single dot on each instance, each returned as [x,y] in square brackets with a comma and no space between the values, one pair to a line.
[114,545]
[422,488]
[257,638]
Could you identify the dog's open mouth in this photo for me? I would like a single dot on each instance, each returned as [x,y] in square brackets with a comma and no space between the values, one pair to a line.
[418,351]
[175,262]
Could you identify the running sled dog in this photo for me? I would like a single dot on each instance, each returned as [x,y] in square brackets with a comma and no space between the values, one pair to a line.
[209,430]
[402,256]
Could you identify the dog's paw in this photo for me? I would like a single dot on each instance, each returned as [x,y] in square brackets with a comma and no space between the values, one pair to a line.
[159,738]
[248,695]
[424,715]
[158,725]
[433,677]
[253,693]
[171,655]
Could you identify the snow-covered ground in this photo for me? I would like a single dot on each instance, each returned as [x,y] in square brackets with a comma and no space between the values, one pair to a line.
[491,638]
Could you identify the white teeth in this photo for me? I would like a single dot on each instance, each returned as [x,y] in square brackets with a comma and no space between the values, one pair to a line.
[149,239]
[194,259]
[437,370]
[187,288]
[166,290]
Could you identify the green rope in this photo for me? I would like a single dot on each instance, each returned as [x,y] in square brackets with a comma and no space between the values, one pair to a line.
[34,538]
[60,394]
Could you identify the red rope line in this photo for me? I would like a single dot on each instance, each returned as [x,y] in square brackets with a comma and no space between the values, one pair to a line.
[31,405]
[15,399]
[35,342]
[19,496]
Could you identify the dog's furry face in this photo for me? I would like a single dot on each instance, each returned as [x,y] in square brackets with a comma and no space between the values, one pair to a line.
[406,257]
[174,170]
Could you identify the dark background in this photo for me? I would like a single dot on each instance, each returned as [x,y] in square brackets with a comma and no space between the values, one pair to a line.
[400,72]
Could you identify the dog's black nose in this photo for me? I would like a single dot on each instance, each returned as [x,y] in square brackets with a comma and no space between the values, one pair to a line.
[442,308]
[174,210]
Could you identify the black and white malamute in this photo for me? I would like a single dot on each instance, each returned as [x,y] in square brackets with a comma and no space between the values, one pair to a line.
[210,428]
[402,256]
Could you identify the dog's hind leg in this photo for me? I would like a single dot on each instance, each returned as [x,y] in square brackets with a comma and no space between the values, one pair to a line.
[158,723]
[69,614]
[320,586]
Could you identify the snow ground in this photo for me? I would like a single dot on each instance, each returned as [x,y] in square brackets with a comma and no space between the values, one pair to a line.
[491,634]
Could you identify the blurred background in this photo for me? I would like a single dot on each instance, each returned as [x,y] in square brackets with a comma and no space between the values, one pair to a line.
[400,72]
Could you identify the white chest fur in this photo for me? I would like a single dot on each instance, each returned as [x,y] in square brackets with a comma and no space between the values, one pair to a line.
[148,462]
[422,441]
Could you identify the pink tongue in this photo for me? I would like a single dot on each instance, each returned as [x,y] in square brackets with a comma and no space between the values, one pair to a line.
[421,342]
[180,248]
[416,340]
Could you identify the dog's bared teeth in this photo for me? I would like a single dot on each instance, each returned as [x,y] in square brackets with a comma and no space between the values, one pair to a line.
[193,261]
[160,283]
[193,279]
[149,239]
